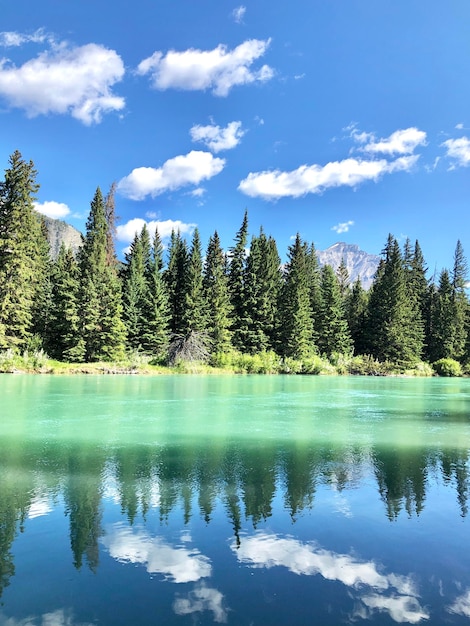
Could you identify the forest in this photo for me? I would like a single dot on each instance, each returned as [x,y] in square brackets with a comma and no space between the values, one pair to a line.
[238,310]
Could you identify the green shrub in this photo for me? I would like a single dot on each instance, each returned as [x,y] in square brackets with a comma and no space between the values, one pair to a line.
[447,367]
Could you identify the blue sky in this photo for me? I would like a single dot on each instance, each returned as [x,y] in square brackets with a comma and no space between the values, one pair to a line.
[343,120]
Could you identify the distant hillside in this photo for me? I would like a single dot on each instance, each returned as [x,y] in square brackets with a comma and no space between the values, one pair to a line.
[358,262]
[58,232]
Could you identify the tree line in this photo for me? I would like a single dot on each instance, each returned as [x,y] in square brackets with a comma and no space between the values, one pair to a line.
[193,304]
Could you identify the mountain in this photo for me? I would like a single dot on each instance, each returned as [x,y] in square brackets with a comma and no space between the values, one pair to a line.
[58,232]
[358,262]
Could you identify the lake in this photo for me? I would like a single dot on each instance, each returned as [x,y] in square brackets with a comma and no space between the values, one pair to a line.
[244,500]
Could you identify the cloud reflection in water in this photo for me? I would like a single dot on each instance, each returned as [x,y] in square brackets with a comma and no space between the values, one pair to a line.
[394,594]
[176,564]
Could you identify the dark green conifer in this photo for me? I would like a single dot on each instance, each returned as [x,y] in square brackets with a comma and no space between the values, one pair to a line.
[334,333]
[65,343]
[195,310]
[262,283]
[22,245]
[101,327]
[236,282]
[176,280]
[217,296]
[295,334]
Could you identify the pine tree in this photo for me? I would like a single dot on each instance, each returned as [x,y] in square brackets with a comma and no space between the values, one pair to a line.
[334,333]
[156,334]
[460,301]
[101,327]
[176,280]
[342,275]
[217,296]
[64,343]
[442,338]
[295,334]
[195,310]
[22,244]
[356,311]
[393,331]
[262,283]
[236,276]
[135,289]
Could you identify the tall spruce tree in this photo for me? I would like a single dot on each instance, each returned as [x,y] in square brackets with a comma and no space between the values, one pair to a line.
[135,293]
[295,330]
[22,245]
[356,311]
[101,327]
[236,282]
[217,296]
[334,335]
[262,283]
[442,336]
[65,343]
[195,310]
[156,333]
[393,331]
[460,301]
[176,280]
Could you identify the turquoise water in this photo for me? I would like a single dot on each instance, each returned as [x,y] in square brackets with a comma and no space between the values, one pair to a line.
[250,500]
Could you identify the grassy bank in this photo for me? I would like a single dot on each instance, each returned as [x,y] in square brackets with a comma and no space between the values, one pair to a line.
[37,362]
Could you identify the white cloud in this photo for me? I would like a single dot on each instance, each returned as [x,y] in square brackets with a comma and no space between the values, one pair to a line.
[12,39]
[343,227]
[183,170]
[400,142]
[65,80]
[275,184]
[459,151]
[391,593]
[459,126]
[201,599]
[197,70]
[126,232]
[178,565]
[198,192]
[400,608]
[217,138]
[461,606]
[238,14]
[56,210]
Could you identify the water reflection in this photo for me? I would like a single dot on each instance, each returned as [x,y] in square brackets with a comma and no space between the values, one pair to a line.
[60,617]
[176,564]
[374,591]
[201,599]
[238,484]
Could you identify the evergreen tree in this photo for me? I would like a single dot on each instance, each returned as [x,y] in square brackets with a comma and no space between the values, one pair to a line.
[460,301]
[334,333]
[156,334]
[236,282]
[195,311]
[22,246]
[262,283]
[393,331]
[135,289]
[356,311]
[314,280]
[64,343]
[101,327]
[442,339]
[176,281]
[295,334]
[217,296]
[342,275]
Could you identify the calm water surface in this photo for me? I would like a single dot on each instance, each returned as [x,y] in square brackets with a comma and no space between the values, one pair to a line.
[243,500]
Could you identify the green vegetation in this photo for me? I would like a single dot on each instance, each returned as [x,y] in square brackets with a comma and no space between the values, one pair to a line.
[239,312]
